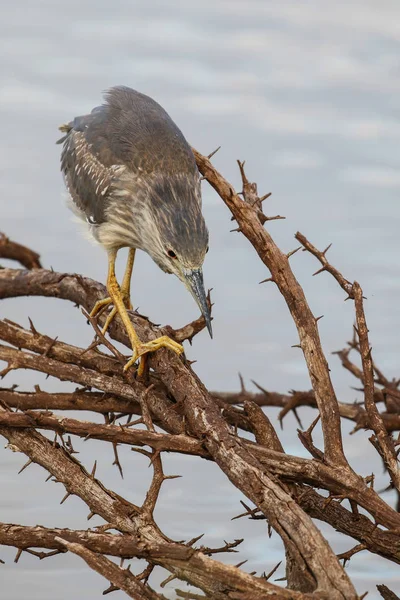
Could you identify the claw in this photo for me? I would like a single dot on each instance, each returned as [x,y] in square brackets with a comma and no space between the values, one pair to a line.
[120,298]
[142,349]
[101,304]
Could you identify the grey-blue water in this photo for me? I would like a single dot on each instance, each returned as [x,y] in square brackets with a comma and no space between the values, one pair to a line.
[307,93]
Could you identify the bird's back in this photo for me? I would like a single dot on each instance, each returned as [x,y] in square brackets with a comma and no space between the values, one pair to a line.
[131,131]
[134,129]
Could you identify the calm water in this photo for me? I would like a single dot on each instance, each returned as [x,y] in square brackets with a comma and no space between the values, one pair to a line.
[307,93]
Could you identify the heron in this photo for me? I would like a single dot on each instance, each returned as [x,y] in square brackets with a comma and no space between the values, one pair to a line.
[132,177]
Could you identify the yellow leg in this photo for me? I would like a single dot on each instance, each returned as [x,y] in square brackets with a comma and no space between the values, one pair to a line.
[125,292]
[139,348]
[126,282]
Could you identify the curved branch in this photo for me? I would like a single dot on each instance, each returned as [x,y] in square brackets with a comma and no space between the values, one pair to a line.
[13,251]
[385,442]
[247,214]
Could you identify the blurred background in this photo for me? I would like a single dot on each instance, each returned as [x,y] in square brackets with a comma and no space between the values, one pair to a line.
[307,93]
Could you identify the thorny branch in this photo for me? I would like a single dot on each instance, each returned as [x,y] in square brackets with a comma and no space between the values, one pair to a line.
[122,579]
[246,214]
[385,442]
[292,468]
[192,421]
[326,266]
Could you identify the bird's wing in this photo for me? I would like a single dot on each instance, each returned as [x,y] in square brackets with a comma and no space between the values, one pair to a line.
[88,173]
[128,137]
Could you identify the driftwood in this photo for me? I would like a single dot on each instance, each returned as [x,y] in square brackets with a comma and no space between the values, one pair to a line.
[170,410]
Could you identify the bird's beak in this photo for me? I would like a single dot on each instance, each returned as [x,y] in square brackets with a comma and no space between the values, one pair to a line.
[193,280]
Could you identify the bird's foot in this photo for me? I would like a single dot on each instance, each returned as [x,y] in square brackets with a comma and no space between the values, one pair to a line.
[101,304]
[141,349]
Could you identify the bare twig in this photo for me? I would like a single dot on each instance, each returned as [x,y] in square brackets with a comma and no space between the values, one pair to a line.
[123,579]
[13,251]
[326,266]
[385,442]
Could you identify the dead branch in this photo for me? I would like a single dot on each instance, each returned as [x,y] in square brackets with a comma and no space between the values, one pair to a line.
[386,593]
[382,518]
[13,251]
[124,516]
[278,486]
[326,266]
[385,442]
[117,434]
[86,377]
[290,468]
[103,403]
[247,217]
[202,416]
[122,579]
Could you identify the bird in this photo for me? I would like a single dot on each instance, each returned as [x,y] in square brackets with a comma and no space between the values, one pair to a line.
[132,177]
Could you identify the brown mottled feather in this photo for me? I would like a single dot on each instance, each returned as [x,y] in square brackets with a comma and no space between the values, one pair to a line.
[130,133]
[132,175]
[87,179]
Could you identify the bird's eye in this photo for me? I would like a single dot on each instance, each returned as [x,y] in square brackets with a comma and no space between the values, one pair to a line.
[171,253]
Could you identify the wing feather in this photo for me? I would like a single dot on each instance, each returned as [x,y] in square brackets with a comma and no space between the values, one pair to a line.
[87,179]
[127,140]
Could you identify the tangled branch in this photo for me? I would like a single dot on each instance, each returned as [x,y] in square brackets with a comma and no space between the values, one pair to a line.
[173,412]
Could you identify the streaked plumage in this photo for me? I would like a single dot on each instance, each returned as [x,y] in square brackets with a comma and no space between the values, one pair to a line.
[123,154]
[132,176]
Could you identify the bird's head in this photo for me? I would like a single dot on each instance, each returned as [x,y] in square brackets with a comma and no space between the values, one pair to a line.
[177,237]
